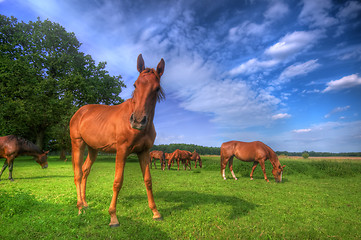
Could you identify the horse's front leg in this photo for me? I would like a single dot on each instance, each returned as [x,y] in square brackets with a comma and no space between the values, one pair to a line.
[4,167]
[231,168]
[261,162]
[11,165]
[148,183]
[117,185]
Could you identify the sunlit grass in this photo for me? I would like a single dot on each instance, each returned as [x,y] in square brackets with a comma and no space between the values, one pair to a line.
[317,200]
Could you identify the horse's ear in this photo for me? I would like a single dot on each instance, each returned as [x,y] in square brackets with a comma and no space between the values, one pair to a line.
[160,67]
[140,63]
[46,152]
[283,166]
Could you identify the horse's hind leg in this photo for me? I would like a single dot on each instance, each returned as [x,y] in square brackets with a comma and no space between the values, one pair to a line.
[3,168]
[255,163]
[231,168]
[92,155]
[77,153]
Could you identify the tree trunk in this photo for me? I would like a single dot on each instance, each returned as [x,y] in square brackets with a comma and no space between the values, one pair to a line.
[63,154]
[40,139]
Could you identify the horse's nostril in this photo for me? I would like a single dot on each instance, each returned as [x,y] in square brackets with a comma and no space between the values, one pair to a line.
[144,120]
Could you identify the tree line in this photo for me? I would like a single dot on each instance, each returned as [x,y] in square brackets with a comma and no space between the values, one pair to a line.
[168,148]
[45,78]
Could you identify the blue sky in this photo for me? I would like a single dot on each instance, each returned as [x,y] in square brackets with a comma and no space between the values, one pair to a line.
[287,73]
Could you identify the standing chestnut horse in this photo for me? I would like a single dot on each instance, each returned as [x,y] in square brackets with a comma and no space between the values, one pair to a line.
[157,155]
[123,129]
[256,152]
[195,157]
[13,146]
[180,155]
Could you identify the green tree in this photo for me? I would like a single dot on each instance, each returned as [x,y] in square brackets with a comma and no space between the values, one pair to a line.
[305,155]
[45,78]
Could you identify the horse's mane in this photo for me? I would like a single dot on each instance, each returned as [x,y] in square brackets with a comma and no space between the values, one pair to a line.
[26,144]
[160,94]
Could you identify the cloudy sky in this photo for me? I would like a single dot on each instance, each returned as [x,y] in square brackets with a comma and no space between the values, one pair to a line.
[287,73]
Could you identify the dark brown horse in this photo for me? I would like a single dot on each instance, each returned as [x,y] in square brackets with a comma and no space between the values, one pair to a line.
[180,155]
[125,128]
[13,146]
[256,152]
[195,157]
[157,155]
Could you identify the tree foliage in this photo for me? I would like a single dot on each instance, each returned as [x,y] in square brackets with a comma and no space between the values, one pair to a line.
[188,147]
[45,78]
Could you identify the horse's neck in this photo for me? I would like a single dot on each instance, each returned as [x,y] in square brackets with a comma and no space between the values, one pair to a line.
[274,160]
[30,149]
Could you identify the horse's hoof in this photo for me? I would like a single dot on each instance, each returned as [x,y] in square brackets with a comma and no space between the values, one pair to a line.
[158,218]
[114,225]
[251,179]
[236,179]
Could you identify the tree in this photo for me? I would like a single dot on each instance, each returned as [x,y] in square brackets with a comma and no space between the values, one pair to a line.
[45,78]
[305,155]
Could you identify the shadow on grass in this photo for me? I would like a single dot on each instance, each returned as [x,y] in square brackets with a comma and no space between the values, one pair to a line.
[187,200]
[21,214]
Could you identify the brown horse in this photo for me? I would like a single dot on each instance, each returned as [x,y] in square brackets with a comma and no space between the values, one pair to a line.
[157,155]
[125,128]
[256,152]
[180,155]
[195,157]
[13,146]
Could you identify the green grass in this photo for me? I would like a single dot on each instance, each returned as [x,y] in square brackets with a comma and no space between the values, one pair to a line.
[317,200]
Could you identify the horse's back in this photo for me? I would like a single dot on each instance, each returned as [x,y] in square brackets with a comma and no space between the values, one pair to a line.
[246,151]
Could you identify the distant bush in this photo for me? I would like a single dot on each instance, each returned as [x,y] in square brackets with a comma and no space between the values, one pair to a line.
[305,155]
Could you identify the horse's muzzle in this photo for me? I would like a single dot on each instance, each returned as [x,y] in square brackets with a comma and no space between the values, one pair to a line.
[138,123]
[45,166]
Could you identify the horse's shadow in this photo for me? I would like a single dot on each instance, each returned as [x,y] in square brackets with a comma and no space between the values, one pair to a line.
[185,200]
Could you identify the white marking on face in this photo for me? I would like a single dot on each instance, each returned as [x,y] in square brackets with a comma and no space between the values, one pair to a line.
[281,176]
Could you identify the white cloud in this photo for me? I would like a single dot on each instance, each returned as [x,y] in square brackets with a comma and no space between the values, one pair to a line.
[276,11]
[252,66]
[317,13]
[281,116]
[336,110]
[350,10]
[327,137]
[298,69]
[302,130]
[293,44]
[345,82]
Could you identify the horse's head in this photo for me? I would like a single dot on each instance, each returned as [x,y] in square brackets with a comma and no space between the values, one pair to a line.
[146,93]
[277,172]
[42,159]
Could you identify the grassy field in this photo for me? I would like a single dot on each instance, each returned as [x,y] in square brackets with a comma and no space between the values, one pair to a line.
[318,199]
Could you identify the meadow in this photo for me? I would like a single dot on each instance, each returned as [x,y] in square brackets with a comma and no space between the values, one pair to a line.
[318,199]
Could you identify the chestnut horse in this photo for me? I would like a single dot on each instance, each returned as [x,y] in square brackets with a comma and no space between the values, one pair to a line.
[157,155]
[122,129]
[13,146]
[180,155]
[256,152]
[195,157]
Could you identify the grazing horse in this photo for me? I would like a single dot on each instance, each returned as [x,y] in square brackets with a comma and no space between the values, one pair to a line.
[195,157]
[122,129]
[13,146]
[180,155]
[256,152]
[157,155]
